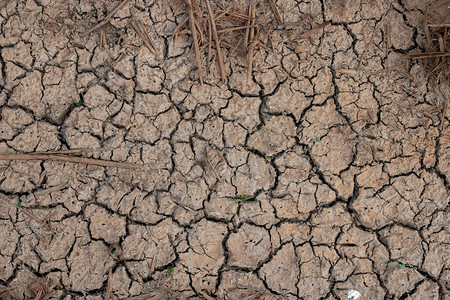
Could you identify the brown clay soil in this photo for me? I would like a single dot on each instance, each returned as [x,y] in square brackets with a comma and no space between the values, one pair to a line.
[337,138]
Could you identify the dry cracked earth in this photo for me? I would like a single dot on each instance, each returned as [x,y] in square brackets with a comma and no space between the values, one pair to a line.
[346,174]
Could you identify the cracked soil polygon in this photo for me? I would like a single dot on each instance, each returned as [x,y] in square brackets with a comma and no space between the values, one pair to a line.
[329,171]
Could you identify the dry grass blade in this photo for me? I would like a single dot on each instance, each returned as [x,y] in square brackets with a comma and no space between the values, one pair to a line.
[208,161]
[143,34]
[216,39]
[118,59]
[109,289]
[72,159]
[153,266]
[439,25]
[43,222]
[177,30]
[251,46]
[108,17]
[233,29]
[192,25]
[183,206]
[428,55]
[312,31]
[276,11]
[71,151]
[209,47]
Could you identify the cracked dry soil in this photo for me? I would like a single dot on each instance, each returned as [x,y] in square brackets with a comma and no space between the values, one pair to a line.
[350,172]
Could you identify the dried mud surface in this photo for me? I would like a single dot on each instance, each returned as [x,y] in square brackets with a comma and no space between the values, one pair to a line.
[350,173]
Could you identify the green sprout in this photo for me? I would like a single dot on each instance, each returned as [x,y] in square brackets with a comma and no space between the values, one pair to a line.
[268,158]
[19,203]
[79,103]
[170,271]
[36,15]
[318,139]
[400,266]
[340,124]
[243,198]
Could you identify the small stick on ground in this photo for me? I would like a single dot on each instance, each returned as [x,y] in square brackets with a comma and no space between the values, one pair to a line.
[42,222]
[247,30]
[72,159]
[153,266]
[119,58]
[70,151]
[428,55]
[276,12]
[209,47]
[102,39]
[177,30]
[216,39]
[143,34]
[232,29]
[108,17]
[312,31]
[211,166]
[251,46]
[109,289]
[183,206]
[192,26]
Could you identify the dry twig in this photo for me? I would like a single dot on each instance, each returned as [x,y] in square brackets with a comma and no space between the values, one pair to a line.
[217,40]
[143,34]
[309,33]
[67,158]
[192,25]
[108,17]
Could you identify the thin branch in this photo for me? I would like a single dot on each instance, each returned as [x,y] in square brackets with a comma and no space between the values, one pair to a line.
[109,289]
[195,41]
[216,39]
[72,159]
[142,32]
[108,17]
[312,31]
[251,46]
[276,11]
[428,55]
[211,166]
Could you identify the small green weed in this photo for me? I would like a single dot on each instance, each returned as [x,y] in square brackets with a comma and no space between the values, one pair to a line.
[79,103]
[400,266]
[170,271]
[268,158]
[36,15]
[318,139]
[19,203]
[243,198]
